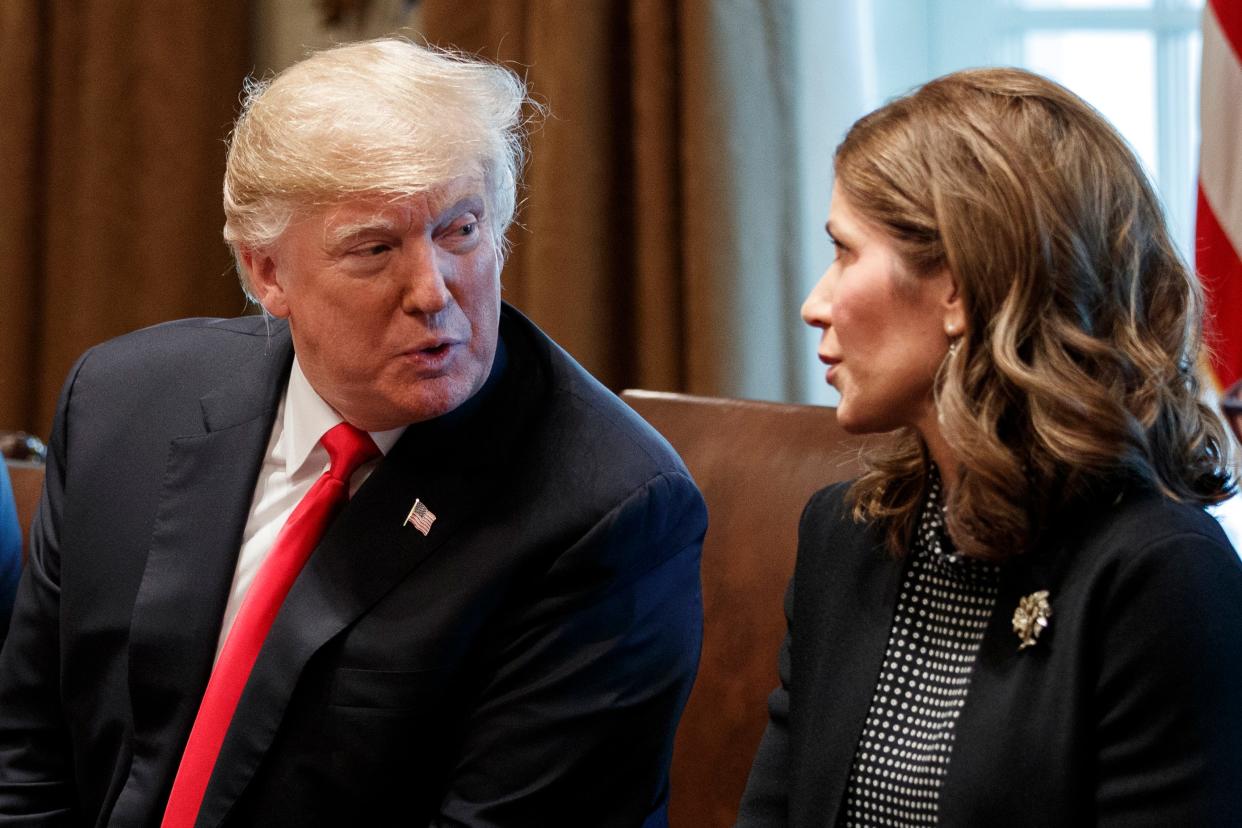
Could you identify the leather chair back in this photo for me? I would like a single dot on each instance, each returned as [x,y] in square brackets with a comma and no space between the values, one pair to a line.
[757,464]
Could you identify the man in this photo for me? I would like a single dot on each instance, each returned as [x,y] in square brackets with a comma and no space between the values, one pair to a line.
[502,624]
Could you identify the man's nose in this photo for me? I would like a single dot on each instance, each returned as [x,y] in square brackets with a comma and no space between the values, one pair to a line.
[426,272]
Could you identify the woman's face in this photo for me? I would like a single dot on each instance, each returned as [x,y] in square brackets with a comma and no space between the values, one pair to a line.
[885,330]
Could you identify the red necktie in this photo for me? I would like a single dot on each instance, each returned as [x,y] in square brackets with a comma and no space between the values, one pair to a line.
[348,448]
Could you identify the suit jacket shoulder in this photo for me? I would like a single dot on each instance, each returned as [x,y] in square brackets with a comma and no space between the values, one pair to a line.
[595,420]
[582,441]
[162,381]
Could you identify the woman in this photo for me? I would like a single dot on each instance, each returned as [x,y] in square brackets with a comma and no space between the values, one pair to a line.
[1019,613]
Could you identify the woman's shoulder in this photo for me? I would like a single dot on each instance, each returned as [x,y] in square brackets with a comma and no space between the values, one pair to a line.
[1149,549]
[829,502]
[832,543]
[1143,524]
[829,514]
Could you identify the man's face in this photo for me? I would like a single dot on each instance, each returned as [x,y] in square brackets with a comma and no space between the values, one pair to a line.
[393,305]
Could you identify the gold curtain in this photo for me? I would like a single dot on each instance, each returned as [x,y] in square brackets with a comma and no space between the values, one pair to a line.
[658,237]
[111,152]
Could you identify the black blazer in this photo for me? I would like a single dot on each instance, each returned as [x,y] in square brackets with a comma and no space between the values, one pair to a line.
[1128,710]
[523,664]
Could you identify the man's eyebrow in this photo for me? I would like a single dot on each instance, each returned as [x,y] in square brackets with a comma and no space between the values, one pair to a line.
[472,203]
[341,233]
[338,234]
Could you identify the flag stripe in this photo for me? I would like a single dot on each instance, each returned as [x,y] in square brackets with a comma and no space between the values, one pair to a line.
[1220,109]
[1220,267]
[1228,15]
[1218,219]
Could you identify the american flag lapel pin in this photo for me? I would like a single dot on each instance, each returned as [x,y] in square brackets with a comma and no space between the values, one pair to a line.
[420,517]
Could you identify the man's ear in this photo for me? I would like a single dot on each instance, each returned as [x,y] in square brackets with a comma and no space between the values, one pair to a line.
[264,280]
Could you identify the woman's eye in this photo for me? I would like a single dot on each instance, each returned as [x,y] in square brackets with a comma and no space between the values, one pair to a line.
[468,229]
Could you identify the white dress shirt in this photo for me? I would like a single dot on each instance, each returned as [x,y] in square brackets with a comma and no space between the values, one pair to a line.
[295,459]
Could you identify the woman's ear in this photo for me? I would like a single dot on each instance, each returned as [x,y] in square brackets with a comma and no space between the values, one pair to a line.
[954,310]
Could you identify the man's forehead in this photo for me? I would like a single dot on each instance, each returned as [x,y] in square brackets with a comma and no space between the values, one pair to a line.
[465,192]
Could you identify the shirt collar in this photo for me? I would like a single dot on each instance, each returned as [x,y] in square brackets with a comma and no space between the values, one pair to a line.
[307,417]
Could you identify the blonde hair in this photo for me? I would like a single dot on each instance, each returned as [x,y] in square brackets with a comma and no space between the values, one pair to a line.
[1078,373]
[383,116]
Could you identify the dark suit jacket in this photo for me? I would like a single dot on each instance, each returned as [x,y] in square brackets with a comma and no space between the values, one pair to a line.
[1128,710]
[523,664]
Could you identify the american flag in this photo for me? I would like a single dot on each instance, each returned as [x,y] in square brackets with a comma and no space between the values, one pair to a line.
[1218,246]
[421,517]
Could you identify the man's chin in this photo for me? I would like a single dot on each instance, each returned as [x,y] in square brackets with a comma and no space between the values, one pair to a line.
[433,398]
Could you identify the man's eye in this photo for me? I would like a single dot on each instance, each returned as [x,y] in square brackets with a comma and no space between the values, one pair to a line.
[464,227]
[371,250]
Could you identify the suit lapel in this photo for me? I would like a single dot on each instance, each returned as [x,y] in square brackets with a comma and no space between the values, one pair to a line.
[843,645]
[204,502]
[451,464]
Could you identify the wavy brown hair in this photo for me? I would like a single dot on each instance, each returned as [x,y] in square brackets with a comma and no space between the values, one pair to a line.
[1078,373]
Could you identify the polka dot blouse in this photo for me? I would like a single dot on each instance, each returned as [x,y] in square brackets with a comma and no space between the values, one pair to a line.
[943,608]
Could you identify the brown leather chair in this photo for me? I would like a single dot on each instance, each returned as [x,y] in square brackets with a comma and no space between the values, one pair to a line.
[757,463]
[27,479]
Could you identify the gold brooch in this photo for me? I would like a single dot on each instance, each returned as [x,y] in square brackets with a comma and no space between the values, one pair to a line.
[1031,617]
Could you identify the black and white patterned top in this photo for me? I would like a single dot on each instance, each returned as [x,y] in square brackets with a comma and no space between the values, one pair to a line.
[942,611]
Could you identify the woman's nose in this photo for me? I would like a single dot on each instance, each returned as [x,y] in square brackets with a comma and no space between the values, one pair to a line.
[817,307]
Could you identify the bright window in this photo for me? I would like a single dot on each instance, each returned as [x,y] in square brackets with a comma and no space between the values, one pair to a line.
[1136,61]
